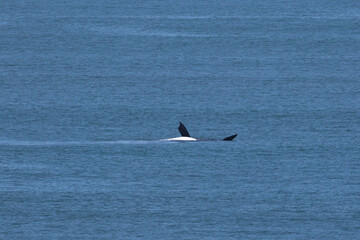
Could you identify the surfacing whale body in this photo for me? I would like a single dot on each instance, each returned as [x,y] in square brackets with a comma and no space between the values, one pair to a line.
[185,136]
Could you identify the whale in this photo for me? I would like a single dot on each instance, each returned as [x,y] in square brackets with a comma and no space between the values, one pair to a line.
[185,136]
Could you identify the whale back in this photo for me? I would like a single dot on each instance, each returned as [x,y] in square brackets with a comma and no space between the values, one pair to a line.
[230,138]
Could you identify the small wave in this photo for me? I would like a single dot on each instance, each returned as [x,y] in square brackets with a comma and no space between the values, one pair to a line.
[71,143]
[226,17]
[173,35]
[124,31]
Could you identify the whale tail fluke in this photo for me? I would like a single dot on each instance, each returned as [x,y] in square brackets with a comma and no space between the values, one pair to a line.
[183,131]
[230,138]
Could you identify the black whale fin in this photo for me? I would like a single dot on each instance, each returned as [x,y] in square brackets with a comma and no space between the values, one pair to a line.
[183,131]
[230,138]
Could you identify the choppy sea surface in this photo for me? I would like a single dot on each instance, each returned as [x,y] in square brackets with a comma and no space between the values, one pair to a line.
[88,88]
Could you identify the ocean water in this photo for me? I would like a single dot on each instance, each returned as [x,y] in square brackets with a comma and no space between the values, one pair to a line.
[88,88]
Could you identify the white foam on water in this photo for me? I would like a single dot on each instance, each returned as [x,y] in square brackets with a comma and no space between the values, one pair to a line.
[180,139]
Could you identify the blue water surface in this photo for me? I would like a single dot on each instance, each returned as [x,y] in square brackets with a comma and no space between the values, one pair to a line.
[88,89]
